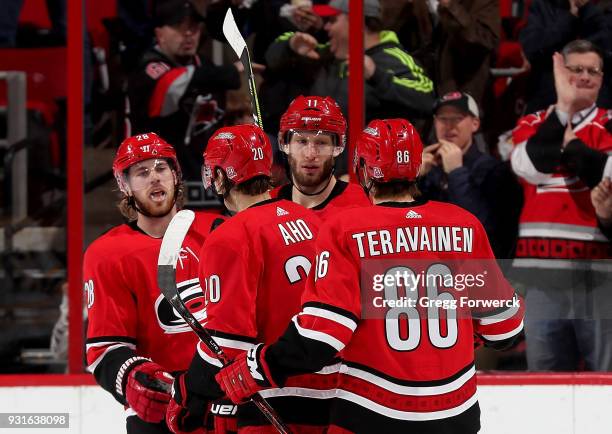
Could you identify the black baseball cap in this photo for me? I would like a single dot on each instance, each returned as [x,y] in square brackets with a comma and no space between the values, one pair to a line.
[173,12]
[461,100]
[371,8]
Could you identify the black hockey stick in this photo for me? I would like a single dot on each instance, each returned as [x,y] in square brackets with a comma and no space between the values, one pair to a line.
[235,39]
[166,280]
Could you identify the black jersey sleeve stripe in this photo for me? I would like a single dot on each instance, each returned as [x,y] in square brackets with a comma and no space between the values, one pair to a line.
[117,339]
[506,343]
[333,309]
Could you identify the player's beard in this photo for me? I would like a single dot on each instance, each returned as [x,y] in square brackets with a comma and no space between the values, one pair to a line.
[303,180]
[152,209]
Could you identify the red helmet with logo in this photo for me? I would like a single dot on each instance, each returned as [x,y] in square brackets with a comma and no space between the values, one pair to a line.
[139,148]
[242,151]
[314,113]
[390,149]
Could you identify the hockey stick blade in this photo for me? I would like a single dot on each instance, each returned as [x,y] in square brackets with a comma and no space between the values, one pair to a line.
[238,44]
[166,280]
[166,275]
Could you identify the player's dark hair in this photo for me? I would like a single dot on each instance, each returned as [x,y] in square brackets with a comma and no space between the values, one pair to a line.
[374,24]
[392,189]
[582,46]
[252,187]
[127,206]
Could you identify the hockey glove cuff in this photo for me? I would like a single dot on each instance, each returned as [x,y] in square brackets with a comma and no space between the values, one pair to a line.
[246,375]
[147,391]
[186,411]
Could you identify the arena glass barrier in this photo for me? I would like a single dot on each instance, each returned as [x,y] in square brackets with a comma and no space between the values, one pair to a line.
[511,402]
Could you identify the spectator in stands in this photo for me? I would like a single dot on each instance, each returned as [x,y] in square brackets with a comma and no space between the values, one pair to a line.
[560,154]
[176,92]
[455,171]
[395,85]
[601,198]
[550,25]
[265,20]
[466,34]
[9,22]
[412,20]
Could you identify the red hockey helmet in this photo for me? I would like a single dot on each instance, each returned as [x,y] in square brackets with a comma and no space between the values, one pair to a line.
[242,151]
[314,113]
[139,148]
[389,149]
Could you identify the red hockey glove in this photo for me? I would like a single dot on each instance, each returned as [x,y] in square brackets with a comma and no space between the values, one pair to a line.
[147,391]
[182,418]
[246,375]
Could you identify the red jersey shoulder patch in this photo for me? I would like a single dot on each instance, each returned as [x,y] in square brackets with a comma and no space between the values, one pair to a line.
[156,69]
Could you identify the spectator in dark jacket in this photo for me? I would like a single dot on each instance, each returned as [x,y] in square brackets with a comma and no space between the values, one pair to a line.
[175,92]
[395,85]
[466,35]
[455,171]
[551,24]
[601,199]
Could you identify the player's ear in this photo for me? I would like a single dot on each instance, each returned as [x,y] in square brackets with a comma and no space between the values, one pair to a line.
[124,185]
[340,144]
[282,145]
[475,124]
[219,181]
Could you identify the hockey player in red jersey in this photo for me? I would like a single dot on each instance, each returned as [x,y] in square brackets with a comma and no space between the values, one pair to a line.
[409,368]
[313,134]
[253,271]
[133,336]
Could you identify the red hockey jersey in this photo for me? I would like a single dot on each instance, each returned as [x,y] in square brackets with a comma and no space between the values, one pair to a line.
[558,222]
[344,195]
[406,367]
[128,316]
[253,273]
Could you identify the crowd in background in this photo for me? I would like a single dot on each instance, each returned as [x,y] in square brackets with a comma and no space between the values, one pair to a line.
[484,86]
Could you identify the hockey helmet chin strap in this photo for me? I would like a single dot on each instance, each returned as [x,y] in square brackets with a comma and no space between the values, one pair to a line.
[367,188]
[361,177]
[329,178]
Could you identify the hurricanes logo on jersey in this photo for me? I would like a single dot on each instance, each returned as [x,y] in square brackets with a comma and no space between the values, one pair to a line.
[190,292]
[192,296]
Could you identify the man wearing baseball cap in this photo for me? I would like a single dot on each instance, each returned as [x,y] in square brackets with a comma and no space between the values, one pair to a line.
[176,92]
[395,85]
[371,8]
[454,170]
